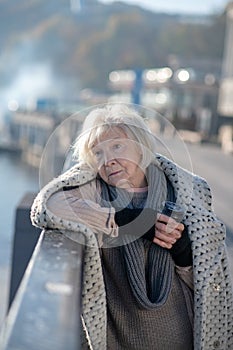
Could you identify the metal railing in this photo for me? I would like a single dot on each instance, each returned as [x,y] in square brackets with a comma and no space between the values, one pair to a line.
[45,311]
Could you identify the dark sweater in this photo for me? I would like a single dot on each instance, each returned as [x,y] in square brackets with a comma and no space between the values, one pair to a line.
[130,326]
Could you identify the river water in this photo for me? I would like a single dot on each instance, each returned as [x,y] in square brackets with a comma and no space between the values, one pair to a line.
[16,179]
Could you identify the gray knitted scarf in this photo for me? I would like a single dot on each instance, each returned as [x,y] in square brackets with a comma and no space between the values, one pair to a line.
[150,285]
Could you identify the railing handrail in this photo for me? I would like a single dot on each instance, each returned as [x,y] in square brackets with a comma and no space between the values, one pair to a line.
[45,313]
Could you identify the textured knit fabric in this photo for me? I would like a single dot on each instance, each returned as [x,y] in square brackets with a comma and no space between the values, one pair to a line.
[213,301]
[120,199]
[71,206]
[132,326]
[145,300]
[159,277]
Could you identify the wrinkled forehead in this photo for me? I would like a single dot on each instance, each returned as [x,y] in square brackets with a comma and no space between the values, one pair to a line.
[106,133]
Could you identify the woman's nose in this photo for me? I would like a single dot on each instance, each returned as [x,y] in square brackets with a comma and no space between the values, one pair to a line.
[108,159]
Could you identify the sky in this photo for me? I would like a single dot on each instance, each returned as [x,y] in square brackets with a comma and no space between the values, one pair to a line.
[200,7]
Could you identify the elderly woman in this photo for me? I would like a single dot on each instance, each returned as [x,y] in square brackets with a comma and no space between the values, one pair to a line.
[150,282]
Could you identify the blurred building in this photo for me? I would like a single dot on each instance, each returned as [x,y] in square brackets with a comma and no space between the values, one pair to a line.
[225,100]
[187,96]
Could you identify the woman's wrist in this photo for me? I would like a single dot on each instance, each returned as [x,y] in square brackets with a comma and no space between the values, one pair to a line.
[181,251]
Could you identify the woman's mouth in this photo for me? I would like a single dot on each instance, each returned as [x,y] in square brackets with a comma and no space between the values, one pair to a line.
[114,173]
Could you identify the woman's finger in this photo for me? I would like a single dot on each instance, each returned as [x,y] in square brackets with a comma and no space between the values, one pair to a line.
[162,243]
[171,239]
[170,229]
[169,221]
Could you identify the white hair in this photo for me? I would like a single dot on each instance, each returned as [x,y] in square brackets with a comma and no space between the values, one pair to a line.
[101,119]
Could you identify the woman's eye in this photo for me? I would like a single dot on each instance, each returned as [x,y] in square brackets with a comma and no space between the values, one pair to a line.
[117,146]
[97,154]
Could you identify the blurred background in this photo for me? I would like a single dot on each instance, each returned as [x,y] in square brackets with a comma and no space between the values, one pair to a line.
[59,57]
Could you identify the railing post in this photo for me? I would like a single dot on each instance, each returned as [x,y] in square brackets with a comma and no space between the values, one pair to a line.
[25,239]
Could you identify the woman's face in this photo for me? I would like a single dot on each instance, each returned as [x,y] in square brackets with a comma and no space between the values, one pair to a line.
[117,159]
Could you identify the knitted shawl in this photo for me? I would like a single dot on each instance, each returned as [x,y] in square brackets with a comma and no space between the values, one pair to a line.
[213,296]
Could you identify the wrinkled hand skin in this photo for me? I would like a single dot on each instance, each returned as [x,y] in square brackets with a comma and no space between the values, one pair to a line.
[167,231]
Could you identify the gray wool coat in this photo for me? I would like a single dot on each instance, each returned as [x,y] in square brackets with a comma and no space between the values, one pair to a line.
[213,296]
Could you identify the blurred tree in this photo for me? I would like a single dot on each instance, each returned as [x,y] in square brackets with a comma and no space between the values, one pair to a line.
[86,46]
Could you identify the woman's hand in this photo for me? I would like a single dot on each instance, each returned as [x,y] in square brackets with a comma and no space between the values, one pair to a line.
[167,231]
[69,206]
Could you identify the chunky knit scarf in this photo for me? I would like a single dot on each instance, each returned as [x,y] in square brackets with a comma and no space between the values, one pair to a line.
[150,287]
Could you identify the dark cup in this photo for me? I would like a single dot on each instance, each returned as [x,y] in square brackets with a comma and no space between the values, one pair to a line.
[173,210]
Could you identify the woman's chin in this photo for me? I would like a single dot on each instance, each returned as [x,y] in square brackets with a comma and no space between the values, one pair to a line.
[122,183]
